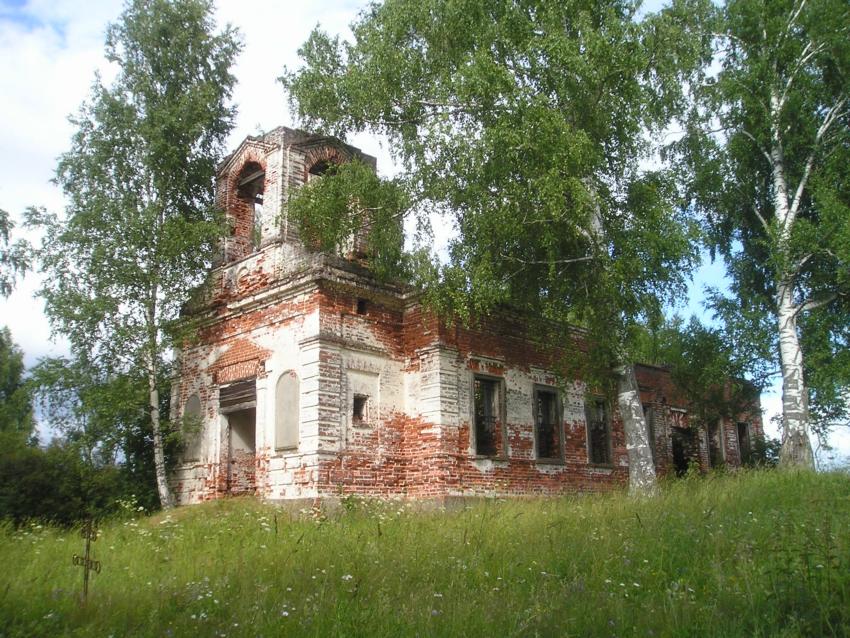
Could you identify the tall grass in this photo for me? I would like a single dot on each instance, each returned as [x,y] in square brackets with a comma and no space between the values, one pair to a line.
[750,554]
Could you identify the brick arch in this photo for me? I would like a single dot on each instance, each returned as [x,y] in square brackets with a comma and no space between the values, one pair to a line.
[242,360]
[329,154]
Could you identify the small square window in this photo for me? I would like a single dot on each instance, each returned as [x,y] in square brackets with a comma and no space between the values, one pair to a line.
[360,410]
[361,307]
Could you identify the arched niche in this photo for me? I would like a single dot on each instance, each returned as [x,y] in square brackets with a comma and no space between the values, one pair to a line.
[192,427]
[287,411]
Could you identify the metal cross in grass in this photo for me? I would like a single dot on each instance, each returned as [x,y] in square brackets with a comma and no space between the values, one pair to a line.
[89,532]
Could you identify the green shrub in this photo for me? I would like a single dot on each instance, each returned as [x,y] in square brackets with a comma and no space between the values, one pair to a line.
[54,484]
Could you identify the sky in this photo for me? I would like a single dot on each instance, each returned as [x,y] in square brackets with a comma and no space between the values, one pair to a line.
[52,50]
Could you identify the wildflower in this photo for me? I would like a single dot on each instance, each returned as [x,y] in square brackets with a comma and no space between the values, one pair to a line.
[347,577]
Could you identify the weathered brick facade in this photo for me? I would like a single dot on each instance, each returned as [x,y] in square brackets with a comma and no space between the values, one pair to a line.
[310,379]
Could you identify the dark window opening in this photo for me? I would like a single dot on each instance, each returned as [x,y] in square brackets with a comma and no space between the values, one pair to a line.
[486,399]
[547,424]
[715,444]
[685,449]
[361,306]
[649,417]
[318,170]
[598,433]
[744,443]
[359,414]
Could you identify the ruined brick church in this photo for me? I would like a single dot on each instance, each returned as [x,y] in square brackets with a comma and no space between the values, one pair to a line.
[310,379]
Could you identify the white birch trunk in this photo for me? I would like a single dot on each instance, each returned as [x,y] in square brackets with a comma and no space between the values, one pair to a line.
[165,498]
[166,501]
[796,447]
[642,479]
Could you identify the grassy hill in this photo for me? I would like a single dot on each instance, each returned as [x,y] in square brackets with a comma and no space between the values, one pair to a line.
[750,554]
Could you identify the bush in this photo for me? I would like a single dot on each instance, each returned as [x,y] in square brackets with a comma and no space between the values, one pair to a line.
[54,484]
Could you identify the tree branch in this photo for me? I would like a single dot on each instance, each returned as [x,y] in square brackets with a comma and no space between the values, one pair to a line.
[830,118]
[547,261]
[761,150]
[813,304]
[793,19]
[805,56]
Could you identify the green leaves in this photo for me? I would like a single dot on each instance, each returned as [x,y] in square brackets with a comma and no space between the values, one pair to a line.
[14,257]
[15,394]
[773,182]
[524,124]
[141,225]
[350,210]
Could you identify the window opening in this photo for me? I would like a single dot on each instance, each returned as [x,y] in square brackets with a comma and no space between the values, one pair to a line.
[744,443]
[685,449]
[598,433]
[361,306]
[359,412]
[649,416]
[317,170]
[547,430]
[251,187]
[715,444]
[486,399]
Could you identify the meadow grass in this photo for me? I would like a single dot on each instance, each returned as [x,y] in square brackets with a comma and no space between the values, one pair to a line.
[744,554]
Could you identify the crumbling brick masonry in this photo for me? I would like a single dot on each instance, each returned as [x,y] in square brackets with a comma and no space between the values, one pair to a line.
[310,379]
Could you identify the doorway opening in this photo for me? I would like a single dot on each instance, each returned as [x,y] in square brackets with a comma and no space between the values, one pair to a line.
[238,404]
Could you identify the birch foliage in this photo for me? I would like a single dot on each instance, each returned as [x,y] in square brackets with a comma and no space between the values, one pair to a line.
[14,255]
[768,156]
[141,225]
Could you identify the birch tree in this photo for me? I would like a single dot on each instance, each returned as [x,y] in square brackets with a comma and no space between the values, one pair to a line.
[140,226]
[524,123]
[773,181]
[14,255]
